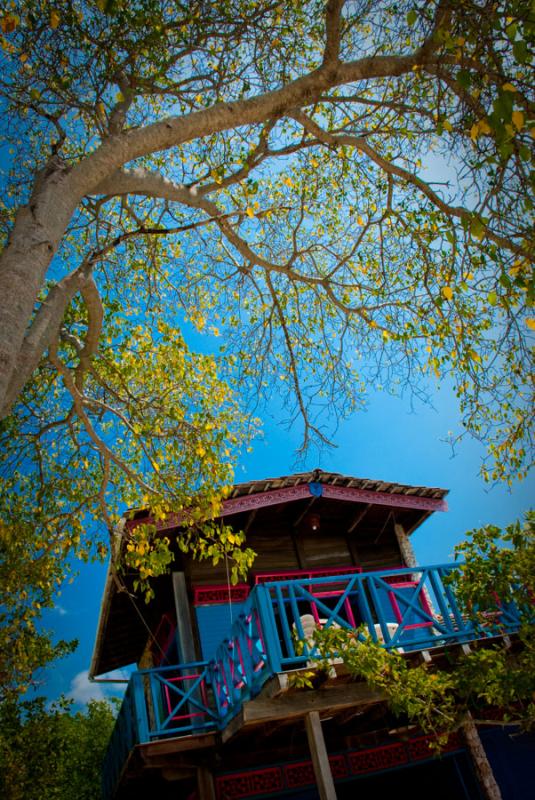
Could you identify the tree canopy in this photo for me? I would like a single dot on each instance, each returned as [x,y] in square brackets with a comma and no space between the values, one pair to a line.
[50,753]
[259,174]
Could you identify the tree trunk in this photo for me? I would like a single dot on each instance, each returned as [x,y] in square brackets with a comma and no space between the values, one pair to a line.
[487,781]
[35,238]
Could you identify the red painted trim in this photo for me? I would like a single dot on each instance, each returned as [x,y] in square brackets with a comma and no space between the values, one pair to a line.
[300,574]
[219,593]
[279,779]
[377,758]
[351,494]
[249,784]
[249,502]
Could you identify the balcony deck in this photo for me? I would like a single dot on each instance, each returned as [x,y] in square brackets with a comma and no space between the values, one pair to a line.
[173,709]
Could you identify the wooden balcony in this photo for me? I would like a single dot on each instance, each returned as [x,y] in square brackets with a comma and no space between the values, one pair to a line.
[201,704]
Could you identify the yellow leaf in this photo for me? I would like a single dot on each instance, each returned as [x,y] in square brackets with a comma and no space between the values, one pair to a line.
[314,162]
[54,19]
[447,292]
[288,182]
[530,322]
[9,23]
[518,120]
[474,131]
[360,220]
[508,87]
[447,125]
[250,212]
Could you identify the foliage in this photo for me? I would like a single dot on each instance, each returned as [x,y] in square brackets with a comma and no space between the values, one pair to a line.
[439,698]
[51,753]
[497,563]
[30,575]
[258,174]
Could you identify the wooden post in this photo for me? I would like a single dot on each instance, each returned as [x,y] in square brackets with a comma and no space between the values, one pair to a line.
[483,769]
[205,784]
[320,759]
[409,558]
[405,546]
[186,642]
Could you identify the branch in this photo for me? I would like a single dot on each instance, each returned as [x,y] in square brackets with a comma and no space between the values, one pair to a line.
[79,402]
[332,31]
[338,140]
[95,311]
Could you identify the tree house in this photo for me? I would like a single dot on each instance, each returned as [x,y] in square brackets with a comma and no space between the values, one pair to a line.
[214,708]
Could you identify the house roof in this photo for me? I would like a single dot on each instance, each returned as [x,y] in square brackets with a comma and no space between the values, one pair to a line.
[336,479]
[419,501]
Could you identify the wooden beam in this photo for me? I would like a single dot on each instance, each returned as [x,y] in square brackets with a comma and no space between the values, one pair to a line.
[205,784]
[305,512]
[360,516]
[320,759]
[250,520]
[294,704]
[178,744]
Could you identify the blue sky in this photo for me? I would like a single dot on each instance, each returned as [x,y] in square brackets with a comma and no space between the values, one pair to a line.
[388,442]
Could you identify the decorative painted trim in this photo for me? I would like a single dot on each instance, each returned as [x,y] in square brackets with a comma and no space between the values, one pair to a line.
[212,595]
[249,502]
[377,759]
[302,574]
[351,494]
[249,784]
[302,773]
[279,779]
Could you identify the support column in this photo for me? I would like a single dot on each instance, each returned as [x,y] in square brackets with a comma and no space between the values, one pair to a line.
[186,642]
[476,751]
[405,546]
[320,759]
[409,558]
[205,784]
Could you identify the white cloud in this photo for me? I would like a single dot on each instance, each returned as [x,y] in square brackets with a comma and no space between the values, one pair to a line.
[60,610]
[82,690]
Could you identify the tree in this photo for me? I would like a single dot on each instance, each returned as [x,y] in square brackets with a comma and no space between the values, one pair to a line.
[259,172]
[51,753]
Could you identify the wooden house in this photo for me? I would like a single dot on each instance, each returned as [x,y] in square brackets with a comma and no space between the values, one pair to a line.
[213,708]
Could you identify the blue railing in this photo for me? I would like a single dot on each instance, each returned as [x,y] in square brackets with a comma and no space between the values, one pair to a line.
[131,727]
[403,609]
